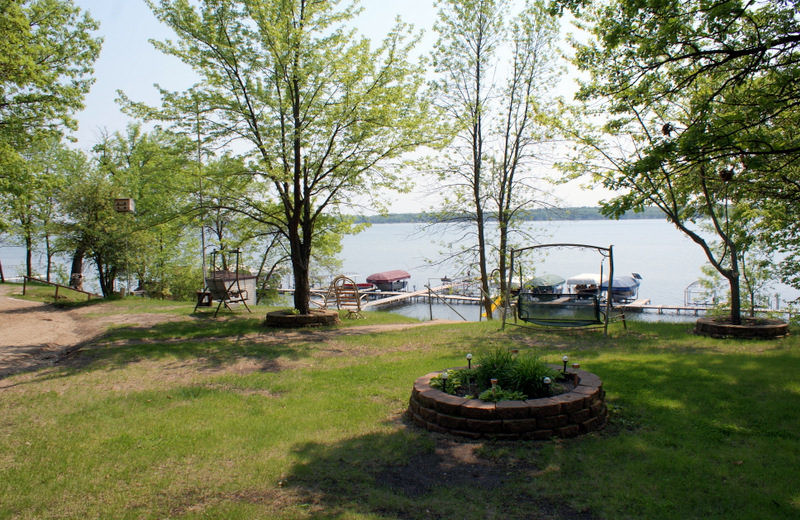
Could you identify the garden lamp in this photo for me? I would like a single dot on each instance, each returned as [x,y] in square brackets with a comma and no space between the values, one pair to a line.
[469,361]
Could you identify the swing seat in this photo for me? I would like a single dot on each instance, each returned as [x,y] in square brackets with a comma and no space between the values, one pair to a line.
[563,310]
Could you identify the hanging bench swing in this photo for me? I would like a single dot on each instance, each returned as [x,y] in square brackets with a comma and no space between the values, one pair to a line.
[224,286]
[543,301]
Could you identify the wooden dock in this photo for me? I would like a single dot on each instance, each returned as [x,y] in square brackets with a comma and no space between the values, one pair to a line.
[384,298]
[643,305]
[408,297]
[375,299]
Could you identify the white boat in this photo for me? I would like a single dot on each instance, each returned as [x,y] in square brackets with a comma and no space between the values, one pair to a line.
[624,288]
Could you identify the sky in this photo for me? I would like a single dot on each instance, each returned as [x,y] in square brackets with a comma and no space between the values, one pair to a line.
[130,63]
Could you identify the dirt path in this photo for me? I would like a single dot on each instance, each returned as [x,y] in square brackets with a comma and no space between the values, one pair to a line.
[34,335]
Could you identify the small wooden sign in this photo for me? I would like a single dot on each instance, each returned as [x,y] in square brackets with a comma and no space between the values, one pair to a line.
[124,205]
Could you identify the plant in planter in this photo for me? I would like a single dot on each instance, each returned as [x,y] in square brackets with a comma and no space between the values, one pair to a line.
[515,378]
[496,394]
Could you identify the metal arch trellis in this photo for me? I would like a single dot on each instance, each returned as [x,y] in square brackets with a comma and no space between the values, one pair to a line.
[605,252]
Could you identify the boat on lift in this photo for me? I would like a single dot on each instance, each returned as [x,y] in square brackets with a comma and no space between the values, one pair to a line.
[624,289]
[395,280]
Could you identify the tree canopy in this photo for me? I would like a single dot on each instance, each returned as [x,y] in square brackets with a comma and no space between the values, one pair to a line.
[324,114]
[47,54]
[695,103]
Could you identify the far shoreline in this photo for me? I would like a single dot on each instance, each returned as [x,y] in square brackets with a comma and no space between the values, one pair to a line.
[540,214]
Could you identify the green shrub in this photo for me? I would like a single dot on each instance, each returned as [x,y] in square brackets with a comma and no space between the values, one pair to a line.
[528,373]
[458,381]
[518,377]
[495,364]
[496,394]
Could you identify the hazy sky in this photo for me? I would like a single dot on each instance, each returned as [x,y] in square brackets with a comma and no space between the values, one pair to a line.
[129,62]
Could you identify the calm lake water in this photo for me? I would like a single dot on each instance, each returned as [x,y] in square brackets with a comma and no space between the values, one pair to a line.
[665,258]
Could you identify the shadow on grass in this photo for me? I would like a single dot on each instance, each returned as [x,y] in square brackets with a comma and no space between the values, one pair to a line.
[195,327]
[208,344]
[411,474]
[687,427]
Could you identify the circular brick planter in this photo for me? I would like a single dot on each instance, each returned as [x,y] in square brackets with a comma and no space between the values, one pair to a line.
[749,329]
[285,319]
[581,410]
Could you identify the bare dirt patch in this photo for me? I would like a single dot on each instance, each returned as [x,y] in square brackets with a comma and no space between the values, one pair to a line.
[35,335]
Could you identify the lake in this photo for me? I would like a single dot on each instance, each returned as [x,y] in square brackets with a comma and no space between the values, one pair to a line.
[667,260]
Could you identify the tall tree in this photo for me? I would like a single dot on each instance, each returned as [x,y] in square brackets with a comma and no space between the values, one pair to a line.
[47,54]
[712,93]
[30,202]
[155,169]
[93,228]
[533,69]
[324,113]
[494,124]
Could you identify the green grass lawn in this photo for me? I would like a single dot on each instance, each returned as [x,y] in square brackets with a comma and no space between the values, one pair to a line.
[225,419]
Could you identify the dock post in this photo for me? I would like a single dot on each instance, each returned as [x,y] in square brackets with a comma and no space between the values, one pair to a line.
[430,301]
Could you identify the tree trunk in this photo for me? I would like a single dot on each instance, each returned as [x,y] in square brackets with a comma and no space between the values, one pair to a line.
[105,277]
[28,255]
[49,256]
[302,287]
[76,271]
[501,266]
[301,256]
[2,277]
[485,296]
[733,279]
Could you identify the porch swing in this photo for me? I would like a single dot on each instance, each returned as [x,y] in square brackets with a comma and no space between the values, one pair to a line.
[222,285]
[543,301]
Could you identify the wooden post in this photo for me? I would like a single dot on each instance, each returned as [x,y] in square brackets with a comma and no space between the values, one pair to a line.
[56,296]
[430,300]
[24,284]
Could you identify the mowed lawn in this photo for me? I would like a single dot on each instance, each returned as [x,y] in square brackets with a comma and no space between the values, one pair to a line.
[206,418]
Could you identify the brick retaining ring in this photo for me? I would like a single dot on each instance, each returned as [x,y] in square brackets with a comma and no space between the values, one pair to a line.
[579,411]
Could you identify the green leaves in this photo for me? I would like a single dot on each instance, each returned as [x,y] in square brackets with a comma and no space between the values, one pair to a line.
[323,115]
[701,102]
[46,58]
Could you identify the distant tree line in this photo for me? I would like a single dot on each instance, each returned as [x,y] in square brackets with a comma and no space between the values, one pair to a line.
[528,215]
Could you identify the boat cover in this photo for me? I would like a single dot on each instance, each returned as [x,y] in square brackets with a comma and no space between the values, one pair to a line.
[622,283]
[545,280]
[388,276]
[586,279]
